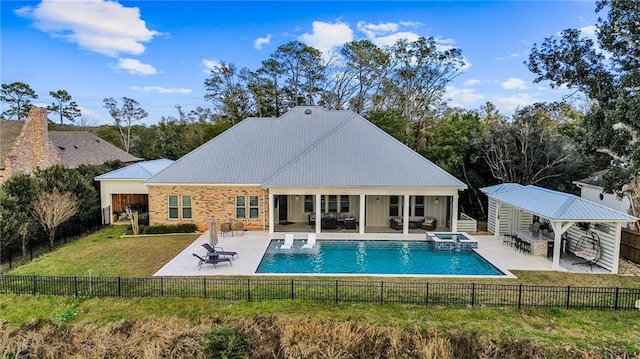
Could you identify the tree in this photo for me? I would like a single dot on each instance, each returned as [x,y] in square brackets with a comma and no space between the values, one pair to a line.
[54,208]
[125,116]
[228,91]
[417,83]
[369,66]
[610,80]
[530,149]
[17,195]
[18,97]
[64,106]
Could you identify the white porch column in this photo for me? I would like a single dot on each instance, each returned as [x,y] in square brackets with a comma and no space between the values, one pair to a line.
[497,223]
[616,247]
[558,230]
[405,214]
[362,214]
[454,213]
[318,214]
[271,213]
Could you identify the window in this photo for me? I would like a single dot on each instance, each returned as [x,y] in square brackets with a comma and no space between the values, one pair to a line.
[308,204]
[419,206]
[333,203]
[253,207]
[173,206]
[322,204]
[240,207]
[344,204]
[394,206]
[186,206]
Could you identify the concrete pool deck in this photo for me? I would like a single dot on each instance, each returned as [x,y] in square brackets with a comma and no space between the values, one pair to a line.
[251,246]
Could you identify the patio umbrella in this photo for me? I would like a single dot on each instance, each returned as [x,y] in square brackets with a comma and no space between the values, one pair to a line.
[213,232]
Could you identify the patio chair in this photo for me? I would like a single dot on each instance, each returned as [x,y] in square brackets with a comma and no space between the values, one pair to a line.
[311,241]
[211,259]
[239,227]
[226,228]
[288,241]
[588,248]
[429,223]
[219,251]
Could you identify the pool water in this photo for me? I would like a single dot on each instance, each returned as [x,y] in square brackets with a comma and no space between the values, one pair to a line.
[372,257]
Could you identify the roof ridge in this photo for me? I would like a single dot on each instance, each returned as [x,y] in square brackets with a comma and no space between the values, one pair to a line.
[309,148]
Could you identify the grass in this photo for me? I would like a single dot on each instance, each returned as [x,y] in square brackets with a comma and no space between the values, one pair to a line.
[105,253]
[551,328]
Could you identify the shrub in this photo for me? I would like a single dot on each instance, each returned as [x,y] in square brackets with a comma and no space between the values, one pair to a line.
[143,219]
[226,342]
[169,228]
[67,314]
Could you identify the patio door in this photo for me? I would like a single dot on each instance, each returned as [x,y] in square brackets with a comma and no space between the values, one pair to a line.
[283,202]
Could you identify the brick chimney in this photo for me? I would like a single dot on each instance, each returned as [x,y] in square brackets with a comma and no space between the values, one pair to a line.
[33,148]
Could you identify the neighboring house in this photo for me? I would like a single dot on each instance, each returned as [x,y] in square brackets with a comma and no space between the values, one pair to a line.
[309,163]
[124,187]
[591,189]
[28,145]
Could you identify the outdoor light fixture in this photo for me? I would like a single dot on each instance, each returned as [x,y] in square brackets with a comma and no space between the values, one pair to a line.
[436,200]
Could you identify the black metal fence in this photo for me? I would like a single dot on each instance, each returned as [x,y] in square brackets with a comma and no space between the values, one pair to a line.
[252,289]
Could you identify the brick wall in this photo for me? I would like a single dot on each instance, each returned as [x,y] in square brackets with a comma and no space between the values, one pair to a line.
[208,201]
[33,148]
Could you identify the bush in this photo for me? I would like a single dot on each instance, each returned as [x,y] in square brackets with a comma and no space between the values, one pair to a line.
[143,219]
[169,228]
[226,342]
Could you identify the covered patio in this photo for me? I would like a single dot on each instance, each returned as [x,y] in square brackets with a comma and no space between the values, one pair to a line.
[572,222]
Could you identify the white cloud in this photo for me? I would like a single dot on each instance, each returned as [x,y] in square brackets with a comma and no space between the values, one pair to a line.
[261,41]
[514,84]
[511,102]
[327,36]
[104,27]
[375,30]
[160,89]
[134,67]
[390,40]
[462,97]
[512,56]
[411,23]
[471,82]
[209,65]
[467,64]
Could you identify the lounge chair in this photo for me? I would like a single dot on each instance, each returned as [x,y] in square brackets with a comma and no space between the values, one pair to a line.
[288,241]
[311,241]
[211,259]
[219,251]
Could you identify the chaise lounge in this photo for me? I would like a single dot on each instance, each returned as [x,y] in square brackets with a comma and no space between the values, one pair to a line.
[213,251]
[211,259]
[428,223]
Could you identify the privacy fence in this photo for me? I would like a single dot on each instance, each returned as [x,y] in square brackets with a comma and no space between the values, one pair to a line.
[337,291]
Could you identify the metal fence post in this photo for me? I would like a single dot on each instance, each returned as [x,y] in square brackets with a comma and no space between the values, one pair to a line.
[162,286]
[119,287]
[520,296]
[204,287]
[292,295]
[568,296]
[615,306]
[249,290]
[34,282]
[426,295]
[473,294]
[381,292]
[336,291]
[75,285]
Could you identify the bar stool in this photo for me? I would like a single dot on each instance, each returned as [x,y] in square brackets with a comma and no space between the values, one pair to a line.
[526,247]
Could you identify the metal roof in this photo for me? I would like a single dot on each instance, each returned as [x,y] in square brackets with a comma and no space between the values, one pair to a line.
[554,205]
[140,170]
[307,146]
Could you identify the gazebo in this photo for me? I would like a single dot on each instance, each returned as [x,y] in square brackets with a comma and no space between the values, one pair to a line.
[512,207]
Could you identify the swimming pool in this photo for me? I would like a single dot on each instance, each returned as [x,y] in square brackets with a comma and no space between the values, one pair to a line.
[372,257]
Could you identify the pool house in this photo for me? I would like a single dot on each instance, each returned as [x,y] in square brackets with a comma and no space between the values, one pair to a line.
[309,170]
[556,224]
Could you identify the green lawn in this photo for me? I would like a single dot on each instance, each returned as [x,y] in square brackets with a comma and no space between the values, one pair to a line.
[105,253]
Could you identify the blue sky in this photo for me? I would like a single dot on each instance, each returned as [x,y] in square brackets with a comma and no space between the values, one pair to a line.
[158,52]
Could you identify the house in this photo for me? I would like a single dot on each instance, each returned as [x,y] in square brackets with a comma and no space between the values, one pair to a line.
[308,164]
[28,145]
[125,187]
[514,208]
[591,189]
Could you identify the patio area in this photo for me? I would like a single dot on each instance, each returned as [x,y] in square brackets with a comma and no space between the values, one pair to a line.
[251,246]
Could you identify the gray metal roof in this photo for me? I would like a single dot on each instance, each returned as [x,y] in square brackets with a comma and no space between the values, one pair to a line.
[554,205]
[322,148]
[84,148]
[140,170]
